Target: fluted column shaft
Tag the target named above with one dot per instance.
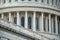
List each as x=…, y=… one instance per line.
x=56, y=24
x=34, y=21
x=10, y=18
x=2, y=15
x=26, y=20
x=18, y=19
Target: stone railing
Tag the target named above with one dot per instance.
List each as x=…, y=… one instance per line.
x=30, y=3
x=19, y=29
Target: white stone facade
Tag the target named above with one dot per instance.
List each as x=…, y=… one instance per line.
x=39, y=16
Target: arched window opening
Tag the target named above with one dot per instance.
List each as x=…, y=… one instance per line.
x=16, y=0
x=29, y=0
x=29, y=22
x=22, y=0
x=36, y=0
x=42, y=1
x=52, y=2
x=54, y=26
x=15, y=20
x=22, y=21
x=59, y=26
x=44, y=19
x=47, y=1
x=0, y=15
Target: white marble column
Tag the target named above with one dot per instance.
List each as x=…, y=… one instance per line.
x=10, y=17
x=42, y=24
x=26, y=20
x=50, y=23
x=2, y=15
x=18, y=18
x=34, y=21
x=46, y=24
x=56, y=24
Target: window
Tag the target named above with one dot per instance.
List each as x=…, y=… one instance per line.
x=52, y=2
x=22, y=21
x=42, y=1
x=36, y=0
x=22, y=0
x=54, y=25
x=29, y=0
x=16, y=0
x=48, y=24
x=44, y=19
x=59, y=26
x=9, y=0
x=0, y=15
x=29, y=22
x=4, y=1
x=15, y=20
x=47, y=1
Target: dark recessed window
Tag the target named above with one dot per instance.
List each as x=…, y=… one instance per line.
x=47, y=1
x=36, y=0
x=4, y=1
x=54, y=27
x=58, y=26
x=44, y=24
x=29, y=0
x=29, y=22
x=48, y=24
x=22, y=0
x=41, y=0
x=16, y=0
x=22, y=21
x=15, y=20
x=52, y=2
x=0, y=15
x=9, y=0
